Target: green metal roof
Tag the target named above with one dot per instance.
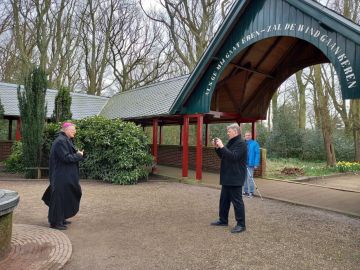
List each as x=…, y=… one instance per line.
x=144, y=102
x=82, y=105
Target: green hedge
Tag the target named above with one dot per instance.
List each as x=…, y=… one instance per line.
x=116, y=151
x=14, y=163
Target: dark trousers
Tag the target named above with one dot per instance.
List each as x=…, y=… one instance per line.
x=230, y=194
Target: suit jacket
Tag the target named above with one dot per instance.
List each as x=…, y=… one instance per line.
x=233, y=162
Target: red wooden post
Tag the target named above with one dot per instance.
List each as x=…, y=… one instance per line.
x=155, y=141
x=18, y=130
x=185, y=143
x=253, y=130
x=199, y=144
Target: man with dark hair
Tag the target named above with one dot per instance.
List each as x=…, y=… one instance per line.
x=64, y=193
x=232, y=176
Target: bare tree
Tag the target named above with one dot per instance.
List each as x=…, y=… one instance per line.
x=321, y=101
x=301, y=85
x=138, y=53
x=98, y=20
x=190, y=25
x=44, y=34
x=333, y=89
x=351, y=10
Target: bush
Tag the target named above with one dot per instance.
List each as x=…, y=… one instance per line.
x=313, y=145
x=14, y=163
x=33, y=114
x=50, y=133
x=286, y=139
x=116, y=151
x=344, y=146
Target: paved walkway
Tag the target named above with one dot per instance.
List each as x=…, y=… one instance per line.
x=162, y=225
x=340, y=194
x=36, y=247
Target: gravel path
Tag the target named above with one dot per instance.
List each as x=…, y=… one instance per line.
x=163, y=225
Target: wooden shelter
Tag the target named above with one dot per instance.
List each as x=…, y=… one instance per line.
x=259, y=45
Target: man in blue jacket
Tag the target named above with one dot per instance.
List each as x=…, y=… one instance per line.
x=253, y=161
x=233, y=157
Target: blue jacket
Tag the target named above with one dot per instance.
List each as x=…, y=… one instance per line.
x=253, y=159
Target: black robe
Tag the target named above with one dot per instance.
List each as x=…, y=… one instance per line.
x=64, y=192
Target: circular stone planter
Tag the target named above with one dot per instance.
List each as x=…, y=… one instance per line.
x=8, y=201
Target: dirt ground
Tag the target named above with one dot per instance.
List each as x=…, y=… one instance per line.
x=164, y=225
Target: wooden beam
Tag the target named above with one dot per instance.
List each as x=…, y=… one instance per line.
x=155, y=140
x=253, y=130
x=252, y=70
x=10, y=129
x=18, y=129
x=199, y=144
x=185, y=143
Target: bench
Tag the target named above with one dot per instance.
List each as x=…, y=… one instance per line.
x=38, y=170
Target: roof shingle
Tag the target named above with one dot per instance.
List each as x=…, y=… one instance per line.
x=151, y=100
x=82, y=105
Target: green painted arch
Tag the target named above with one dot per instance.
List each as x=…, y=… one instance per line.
x=214, y=73
x=275, y=18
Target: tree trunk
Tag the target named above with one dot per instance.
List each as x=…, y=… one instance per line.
x=324, y=117
x=302, y=100
x=274, y=105
x=355, y=116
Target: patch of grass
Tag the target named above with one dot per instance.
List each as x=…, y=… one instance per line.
x=310, y=168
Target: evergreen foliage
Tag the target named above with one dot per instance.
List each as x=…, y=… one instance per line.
x=14, y=163
x=33, y=113
x=62, y=106
x=115, y=151
x=286, y=138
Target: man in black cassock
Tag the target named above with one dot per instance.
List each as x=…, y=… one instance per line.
x=232, y=176
x=64, y=193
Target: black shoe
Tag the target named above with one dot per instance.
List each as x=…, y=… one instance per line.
x=61, y=227
x=238, y=229
x=218, y=223
x=66, y=222
x=245, y=194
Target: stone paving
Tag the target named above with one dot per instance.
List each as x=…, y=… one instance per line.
x=37, y=248
x=339, y=194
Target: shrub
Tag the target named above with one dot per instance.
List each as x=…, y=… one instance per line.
x=33, y=113
x=116, y=151
x=286, y=138
x=50, y=133
x=344, y=146
x=313, y=145
x=62, y=106
x=14, y=163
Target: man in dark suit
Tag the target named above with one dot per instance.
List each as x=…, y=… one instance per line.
x=232, y=177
